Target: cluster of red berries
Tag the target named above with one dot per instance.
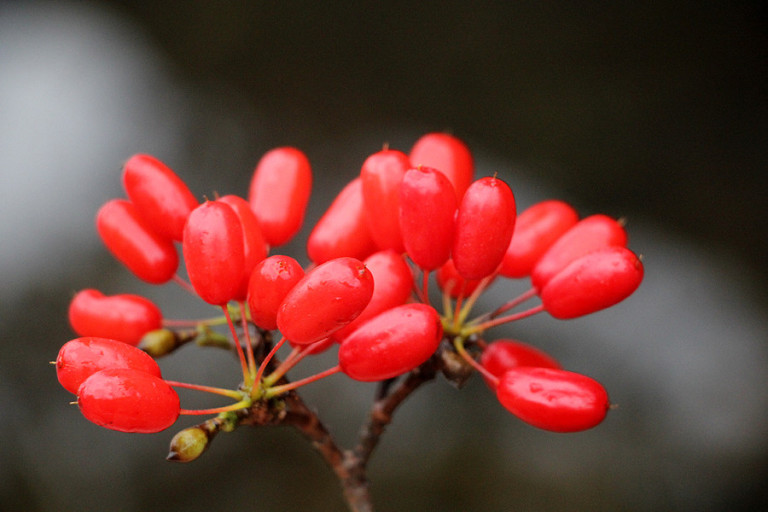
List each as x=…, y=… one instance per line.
x=365, y=290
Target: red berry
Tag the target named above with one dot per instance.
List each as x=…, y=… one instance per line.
x=392, y=343
x=254, y=246
x=447, y=154
x=552, y=399
x=162, y=199
x=536, y=229
x=451, y=282
x=123, y=317
x=270, y=282
x=214, y=253
x=381, y=175
x=279, y=193
x=503, y=355
x=588, y=234
x=128, y=400
x=427, y=216
x=392, y=285
x=78, y=359
x=593, y=282
x=325, y=300
x=151, y=257
x=342, y=230
x=484, y=226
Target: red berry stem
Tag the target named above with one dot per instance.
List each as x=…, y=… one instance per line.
x=483, y=326
x=458, y=344
x=296, y=355
x=240, y=355
x=242, y=404
x=248, y=343
x=279, y=390
x=231, y=393
x=513, y=303
x=425, y=287
x=472, y=299
x=266, y=361
x=185, y=285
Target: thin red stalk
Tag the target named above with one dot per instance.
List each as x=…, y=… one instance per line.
x=425, y=287
x=184, y=284
x=296, y=355
x=503, y=320
x=514, y=302
x=216, y=410
x=248, y=344
x=267, y=359
x=471, y=360
x=208, y=389
x=279, y=390
x=238, y=347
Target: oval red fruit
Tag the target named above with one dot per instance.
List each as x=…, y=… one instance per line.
x=381, y=176
x=79, y=358
x=122, y=317
x=128, y=400
x=427, y=216
x=342, y=230
x=503, y=355
x=270, y=282
x=279, y=193
x=214, y=252
x=329, y=297
x=162, y=199
x=536, y=229
x=555, y=400
x=593, y=282
x=254, y=246
x=588, y=234
x=151, y=257
x=392, y=343
x=392, y=286
x=484, y=226
x=447, y=154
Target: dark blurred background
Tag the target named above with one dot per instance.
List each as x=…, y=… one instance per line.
x=651, y=111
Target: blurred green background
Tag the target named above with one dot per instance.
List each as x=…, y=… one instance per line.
x=654, y=112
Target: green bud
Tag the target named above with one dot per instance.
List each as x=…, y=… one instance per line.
x=159, y=343
x=189, y=444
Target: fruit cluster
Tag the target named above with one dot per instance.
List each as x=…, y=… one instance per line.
x=366, y=290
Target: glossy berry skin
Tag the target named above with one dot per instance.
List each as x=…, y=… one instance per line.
x=123, y=317
x=590, y=233
x=279, y=193
x=447, y=154
x=151, y=257
x=328, y=297
x=593, y=282
x=214, y=252
x=270, y=282
x=427, y=216
x=484, y=226
x=79, y=358
x=551, y=399
x=392, y=343
x=342, y=230
x=128, y=400
x=381, y=176
x=503, y=355
x=451, y=282
x=162, y=199
x=254, y=246
x=392, y=286
x=536, y=229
